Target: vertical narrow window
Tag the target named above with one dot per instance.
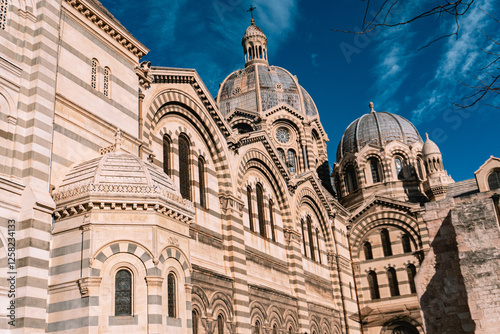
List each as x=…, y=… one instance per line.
x=351, y=180
x=292, y=157
x=260, y=210
x=93, y=79
x=220, y=324
x=171, y=295
x=281, y=153
x=275, y=329
x=373, y=285
x=271, y=220
x=317, y=245
x=393, y=282
x=167, y=144
x=374, y=168
x=290, y=330
x=201, y=180
x=302, y=223
x=411, y=271
x=310, y=235
x=3, y=13
x=123, y=293
x=184, y=170
x=399, y=162
x=257, y=327
x=195, y=322
x=406, y=243
x=107, y=82
x=367, y=248
x=250, y=211
x=386, y=242
x=494, y=180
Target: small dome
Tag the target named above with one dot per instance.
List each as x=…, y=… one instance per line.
x=253, y=30
x=276, y=86
x=378, y=129
x=430, y=147
x=118, y=173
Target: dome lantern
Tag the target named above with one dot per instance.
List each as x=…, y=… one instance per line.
x=254, y=43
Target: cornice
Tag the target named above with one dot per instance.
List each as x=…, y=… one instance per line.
x=109, y=27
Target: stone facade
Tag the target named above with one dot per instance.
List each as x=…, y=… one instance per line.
x=138, y=203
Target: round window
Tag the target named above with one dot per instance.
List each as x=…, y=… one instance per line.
x=282, y=135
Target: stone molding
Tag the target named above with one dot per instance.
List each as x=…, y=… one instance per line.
x=112, y=29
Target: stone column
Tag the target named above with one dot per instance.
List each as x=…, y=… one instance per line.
x=154, y=284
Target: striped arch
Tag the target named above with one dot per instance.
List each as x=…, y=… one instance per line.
x=177, y=102
x=324, y=327
x=365, y=224
x=177, y=254
x=257, y=312
x=309, y=197
x=115, y=247
x=290, y=119
x=200, y=300
x=220, y=302
x=274, y=315
x=290, y=320
x=314, y=324
x=258, y=160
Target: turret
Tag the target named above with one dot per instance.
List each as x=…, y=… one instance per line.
x=437, y=180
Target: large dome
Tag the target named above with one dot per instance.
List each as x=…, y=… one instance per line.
x=378, y=129
x=275, y=86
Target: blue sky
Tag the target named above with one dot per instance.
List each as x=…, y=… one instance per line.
x=342, y=72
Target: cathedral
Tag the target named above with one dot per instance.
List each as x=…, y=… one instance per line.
x=134, y=201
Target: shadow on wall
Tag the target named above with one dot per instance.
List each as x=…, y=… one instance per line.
x=445, y=304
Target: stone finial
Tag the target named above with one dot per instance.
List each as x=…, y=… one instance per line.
x=118, y=140
x=372, y=107
x=426, y=136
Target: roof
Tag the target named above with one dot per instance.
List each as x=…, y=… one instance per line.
x=276, y=86
x=462, y=188
x=378, y=129
x=97, y=4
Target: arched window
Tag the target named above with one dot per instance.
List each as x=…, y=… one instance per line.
x=290, y=330
x=107, y=82
x=275, y=329
x=411, y=271
x=260, y=211
x=310, y=235
x=171, y=296
x=167, y=144
x=93, y=78
x=393, y=282
x=399, y=163
x=257, y=327
x=406, y=243
x=317, y=245
x=202, y=185
x=373, y=285
x=123, y=292
x=302, y=223
x=220, y=324
x=250, y=210
x=292, y=161
x=4, y=4
x=367, y=248
x=195, y=322
x=405, y=328
x=375, y=169
x=386, y=242
x=281, y=153
x=184, y=170
x=351, y=180
x=271, y=220
x=494, y=180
